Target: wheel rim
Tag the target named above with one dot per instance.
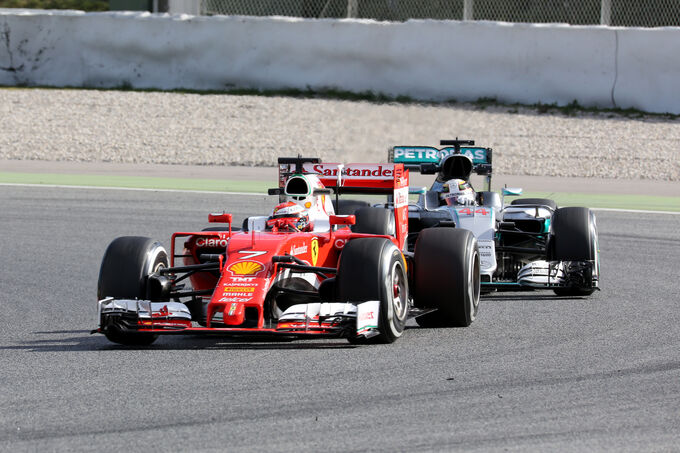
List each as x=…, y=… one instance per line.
x=474, y=284
x=398, y=291
x=154, y=263
x=595, y=247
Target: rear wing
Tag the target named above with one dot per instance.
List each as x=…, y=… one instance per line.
x=390, y=179
x=425, y=159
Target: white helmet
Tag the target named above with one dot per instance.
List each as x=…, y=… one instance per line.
x=457, y=192
x=299, y=189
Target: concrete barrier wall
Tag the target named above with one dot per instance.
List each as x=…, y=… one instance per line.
x=423, y=59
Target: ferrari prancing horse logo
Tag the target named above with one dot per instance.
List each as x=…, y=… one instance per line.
x=315, y=250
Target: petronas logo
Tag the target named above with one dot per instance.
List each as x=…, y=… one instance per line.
x=246, y=268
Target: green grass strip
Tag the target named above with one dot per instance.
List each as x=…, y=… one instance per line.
x=610, y=201
x=641, y=202
x=137, y=182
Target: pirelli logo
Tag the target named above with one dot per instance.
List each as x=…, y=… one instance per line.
x=239, y=289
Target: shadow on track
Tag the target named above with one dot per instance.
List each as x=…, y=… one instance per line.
x=82, y=340
x=513, y=296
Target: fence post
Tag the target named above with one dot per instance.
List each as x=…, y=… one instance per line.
x=606, y=12
x=352, y=8
x=468, y=9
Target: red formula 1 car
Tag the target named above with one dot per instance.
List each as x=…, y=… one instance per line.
x=301, y=272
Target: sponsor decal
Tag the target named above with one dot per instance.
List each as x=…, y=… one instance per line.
x=240, y=284
x=409, y=154
x=315, y=250
x=476, y=155
x=163, y=312
x=298, y=250
x=356, y=171
x=243, y=280
x=401, y=197
x=211, y=242
x=366, y=316
x=242, y=289
x=339, y=243
x=246, y=268
x=235, y=299
x=249, y=254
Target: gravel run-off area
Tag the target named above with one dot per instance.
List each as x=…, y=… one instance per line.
x=195, y=129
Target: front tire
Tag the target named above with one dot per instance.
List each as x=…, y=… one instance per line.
x=127, y=263
x=374, y=269
x=446, y=277
x=535, y=201
x=575, y=239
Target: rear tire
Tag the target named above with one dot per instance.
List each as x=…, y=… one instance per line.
x=536, y=201
x=348, y=207
x=446, y=277
x=374, y=269
x=489, y=199
x=575, y=239
x=127, y=263
x=374, y=221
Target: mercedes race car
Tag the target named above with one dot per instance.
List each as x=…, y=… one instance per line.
x=300, y=272
x=528, y=244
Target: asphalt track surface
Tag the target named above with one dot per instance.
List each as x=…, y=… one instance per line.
x=533, y=373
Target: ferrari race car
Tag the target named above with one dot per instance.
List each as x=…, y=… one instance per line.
x=301, y=272
x=527, y=244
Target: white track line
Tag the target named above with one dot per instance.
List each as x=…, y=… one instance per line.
x=60, y=186
x=251, y=194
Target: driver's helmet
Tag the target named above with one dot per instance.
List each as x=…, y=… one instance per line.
x=457, y=192
x=289, y=216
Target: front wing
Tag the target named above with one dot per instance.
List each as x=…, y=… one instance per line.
x=552, y=274
x=330, y=319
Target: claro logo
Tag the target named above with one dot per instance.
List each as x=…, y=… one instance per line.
x=211, y=242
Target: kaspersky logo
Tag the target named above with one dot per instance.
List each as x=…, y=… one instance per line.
x=246, y=268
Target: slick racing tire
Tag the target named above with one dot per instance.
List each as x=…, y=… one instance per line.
x=348, y=207
x=374, y=221
x=575, y=239
x=127, y=263
x=446, y=277
x=536, y=201
x=374, y=269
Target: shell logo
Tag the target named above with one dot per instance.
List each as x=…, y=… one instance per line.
x=246, y=268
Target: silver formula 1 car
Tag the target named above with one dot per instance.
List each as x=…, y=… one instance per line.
x=529, y=243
